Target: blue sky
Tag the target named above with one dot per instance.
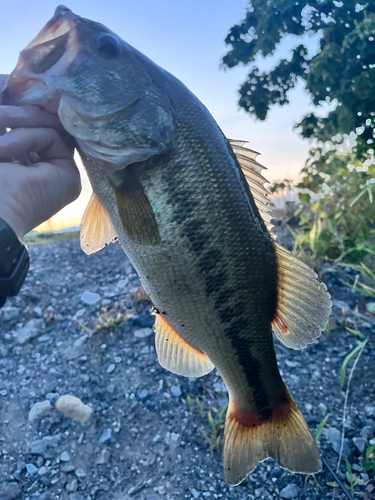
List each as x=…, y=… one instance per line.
x=187, y=39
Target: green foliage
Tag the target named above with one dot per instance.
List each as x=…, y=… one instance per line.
x=340, y=72
x=215, y=435
x=369, y=461
x=336, y=214
x=347, y=358
x=320, y=427
x=353, y=482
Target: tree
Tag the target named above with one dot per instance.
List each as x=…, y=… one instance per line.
x=341, y=73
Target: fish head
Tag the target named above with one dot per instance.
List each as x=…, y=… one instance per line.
x=102, y=89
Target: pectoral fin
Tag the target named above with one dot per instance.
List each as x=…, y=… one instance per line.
x=176, y=355
x=136, y=214
x=97, y=229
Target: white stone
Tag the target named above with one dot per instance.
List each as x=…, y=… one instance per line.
x=39, y=410
x=142, y=333
x=72, y=407
x=90, y=298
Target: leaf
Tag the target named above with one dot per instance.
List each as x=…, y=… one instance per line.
x=320, y=427
x=348, y=358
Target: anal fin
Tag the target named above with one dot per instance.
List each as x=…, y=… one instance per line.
x=177, y=355
x=97, y=229
x=284, y=437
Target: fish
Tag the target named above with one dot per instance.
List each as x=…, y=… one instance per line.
x=190, y=210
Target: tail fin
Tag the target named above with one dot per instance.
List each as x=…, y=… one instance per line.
x=284, y=436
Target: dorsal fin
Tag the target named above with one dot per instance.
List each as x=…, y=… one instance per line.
x=252, y=172
x=175, y=354
x=97, y=230
x=303, y=303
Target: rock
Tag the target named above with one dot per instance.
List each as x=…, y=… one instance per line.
x=141, y=320
x=103, y=458
x=370, y=488
x=290, y=491
x=111, y=368
x=160, y=490
x=40, y=446
x=8, y=313
x=142, y=333
x=80, y=473
x=90, y=298
x=106, y=436
x=143, y=394
x=67, y=467
x=39, y=410
x=367, y=431
x=42, y=471
x=31, y=469
x=28, y=332
x=72, y=407
x=195, y=493
x=333, y=435
x=64, y=457
x=72, y=485
x=360, y=443
x=176, y=391
x=370, y=410
x=75, y=496
x=10, y=491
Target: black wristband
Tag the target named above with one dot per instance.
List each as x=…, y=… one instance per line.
x=14, y=262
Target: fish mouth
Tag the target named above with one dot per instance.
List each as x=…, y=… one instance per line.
x=45, y=58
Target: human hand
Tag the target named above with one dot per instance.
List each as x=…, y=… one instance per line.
x=38, y=175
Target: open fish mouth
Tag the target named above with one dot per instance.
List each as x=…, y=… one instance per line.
x=46, y=57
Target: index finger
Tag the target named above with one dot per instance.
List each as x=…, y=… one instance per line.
x=28, y=116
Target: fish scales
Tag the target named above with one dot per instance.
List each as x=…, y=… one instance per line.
x=175, y=192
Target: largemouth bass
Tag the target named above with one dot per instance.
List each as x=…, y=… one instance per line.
x=190, y=211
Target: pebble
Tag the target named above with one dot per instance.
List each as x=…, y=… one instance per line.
x=103, y=458
x=72, y=407
x=360, y=443
x=40, y=446
x=67, y=467
x=80, y=473
x=65, y=457
x=195, y=493
x=42, y=471
x=370, y=410
x=39, y=410
x=90, y=298
x=176, y=391
x=290, y=491
x=75, y=496
x=106, y=436
x=31, y=469
x=160, y=490
x=9, y=312
x=370, y=488
x=72, y=485
x=143, y=394
x=111, y=368
x=9, y=491
x=28, y=332
x=143, y=333
x=333, y=435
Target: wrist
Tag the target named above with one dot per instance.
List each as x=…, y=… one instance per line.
x=13, y=220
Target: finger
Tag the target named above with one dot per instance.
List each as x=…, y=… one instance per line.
x=46, y=142
x=28, y=116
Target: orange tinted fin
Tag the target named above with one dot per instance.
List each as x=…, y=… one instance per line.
x=284, y=436
x=136, y=214
x=176, y=355
x=97, y=230
x=303, y=303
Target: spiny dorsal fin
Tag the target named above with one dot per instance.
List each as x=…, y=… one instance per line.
x=176, y=355
x=252, y=172
x=97, y=230
x=303, y=303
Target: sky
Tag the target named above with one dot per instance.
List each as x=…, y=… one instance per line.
x=187, y=39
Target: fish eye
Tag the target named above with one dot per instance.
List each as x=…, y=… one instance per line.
x=107, y=46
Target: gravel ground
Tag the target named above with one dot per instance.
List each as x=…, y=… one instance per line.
x=81, y=326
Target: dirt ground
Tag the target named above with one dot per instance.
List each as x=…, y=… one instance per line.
x=81, y=326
